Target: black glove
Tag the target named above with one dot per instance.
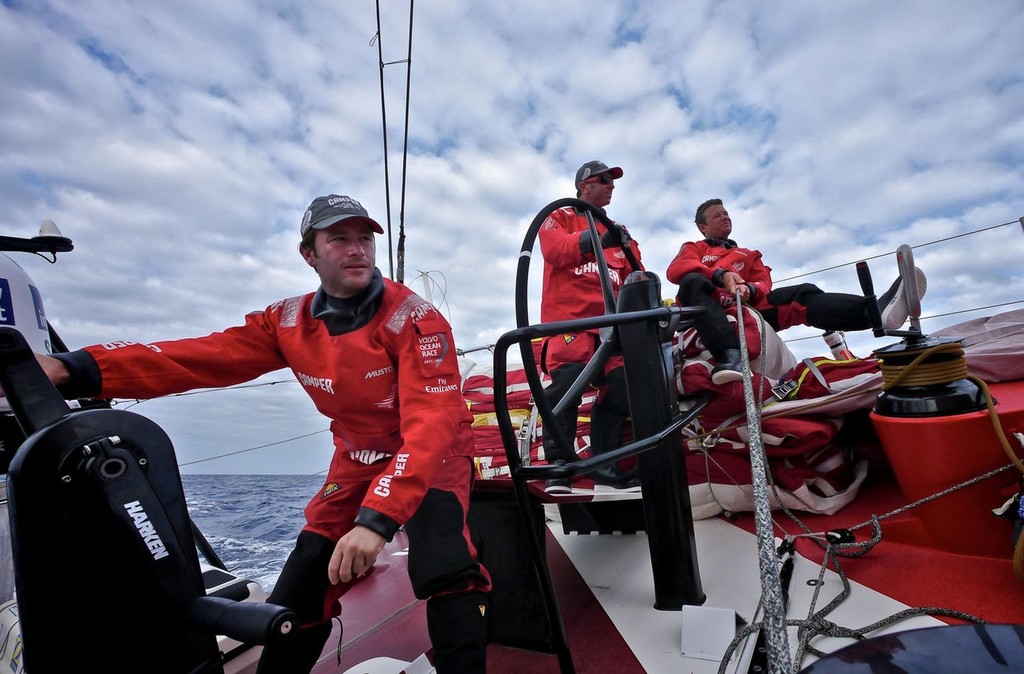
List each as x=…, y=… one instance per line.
x=615, y=236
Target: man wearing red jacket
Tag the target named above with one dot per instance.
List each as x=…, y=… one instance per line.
x=572, y=289
x=710, y=272
x=380, y=363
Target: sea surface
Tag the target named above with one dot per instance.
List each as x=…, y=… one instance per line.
x=250, y=521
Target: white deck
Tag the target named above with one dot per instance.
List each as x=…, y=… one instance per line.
x=617, y=569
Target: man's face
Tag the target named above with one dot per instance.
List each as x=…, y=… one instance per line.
x=597, y=190
x=344, y=257
x=717, y=223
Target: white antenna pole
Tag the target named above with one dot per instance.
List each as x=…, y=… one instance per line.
x=426, y=287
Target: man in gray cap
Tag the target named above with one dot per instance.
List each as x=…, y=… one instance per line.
x=572, y=289
x=380, y=362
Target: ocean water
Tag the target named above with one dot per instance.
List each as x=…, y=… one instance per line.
x=251, y=521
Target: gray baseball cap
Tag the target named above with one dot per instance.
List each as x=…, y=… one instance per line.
x=593, y=168
x=327, y=210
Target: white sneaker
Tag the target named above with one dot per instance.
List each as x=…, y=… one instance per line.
x=723, y=375
x=893, y=303
x=558, y=485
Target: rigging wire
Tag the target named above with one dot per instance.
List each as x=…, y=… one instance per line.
x=490, y=347
x=399, y=250
x=129, y=403
x=252, y=449
x=399, y=277
x=931, y=317
x=893, y=252
x=405, y=154
x=132, y=402
x=384, y=123
x=1019, y=222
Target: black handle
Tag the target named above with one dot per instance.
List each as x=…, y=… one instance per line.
x=870, y=301
x=248, y=622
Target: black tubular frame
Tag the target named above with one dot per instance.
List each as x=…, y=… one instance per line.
x=640, y=330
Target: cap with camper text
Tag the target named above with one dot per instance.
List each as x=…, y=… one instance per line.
x=333, y=208
x=593, y=168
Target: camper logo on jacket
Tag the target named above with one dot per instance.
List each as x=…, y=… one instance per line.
x=315, y=382
x=383, y=488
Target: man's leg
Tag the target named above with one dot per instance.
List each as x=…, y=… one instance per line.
x=457, y=624
x=562, y=378
x=564, y=359
x=607, y=419
x=807, y=304
x=302, y=587
x=838, y=311
x=718, y=335
x=443, y=568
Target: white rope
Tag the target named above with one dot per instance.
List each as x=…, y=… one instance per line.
x=776, y=636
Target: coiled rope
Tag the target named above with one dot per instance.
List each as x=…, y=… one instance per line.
x=928, y=367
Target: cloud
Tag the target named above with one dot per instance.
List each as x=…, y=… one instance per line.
x=178, y=145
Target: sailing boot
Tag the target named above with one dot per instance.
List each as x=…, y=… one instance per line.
x=729, y=367
x=558, y=485
x=559, y=456
x=457, y=625
x=892, y=305
x=612, y=476
x=605, y=435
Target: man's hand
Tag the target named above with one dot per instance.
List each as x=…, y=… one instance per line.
x=354, y=554
x=615, y=236
x=54, y=370
x=732, y=282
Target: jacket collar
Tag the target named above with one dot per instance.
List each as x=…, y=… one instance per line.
x=345, y=314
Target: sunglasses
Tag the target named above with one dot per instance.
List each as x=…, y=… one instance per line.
x=604, y=179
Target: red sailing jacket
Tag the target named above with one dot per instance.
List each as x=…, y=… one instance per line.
x=391, y=388
x=704, y=257
x=572, y=287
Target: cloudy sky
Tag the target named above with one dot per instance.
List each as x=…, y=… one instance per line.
x=177, y=144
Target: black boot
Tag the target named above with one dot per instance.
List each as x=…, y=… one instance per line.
x=558, y=485
x=457, y=625
x=607, y=419
x=612, y=476
x=729, y=368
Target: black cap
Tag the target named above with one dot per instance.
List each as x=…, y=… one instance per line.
x=325, y=211
x=593, y=168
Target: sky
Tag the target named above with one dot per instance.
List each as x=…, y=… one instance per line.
x=178, y=144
